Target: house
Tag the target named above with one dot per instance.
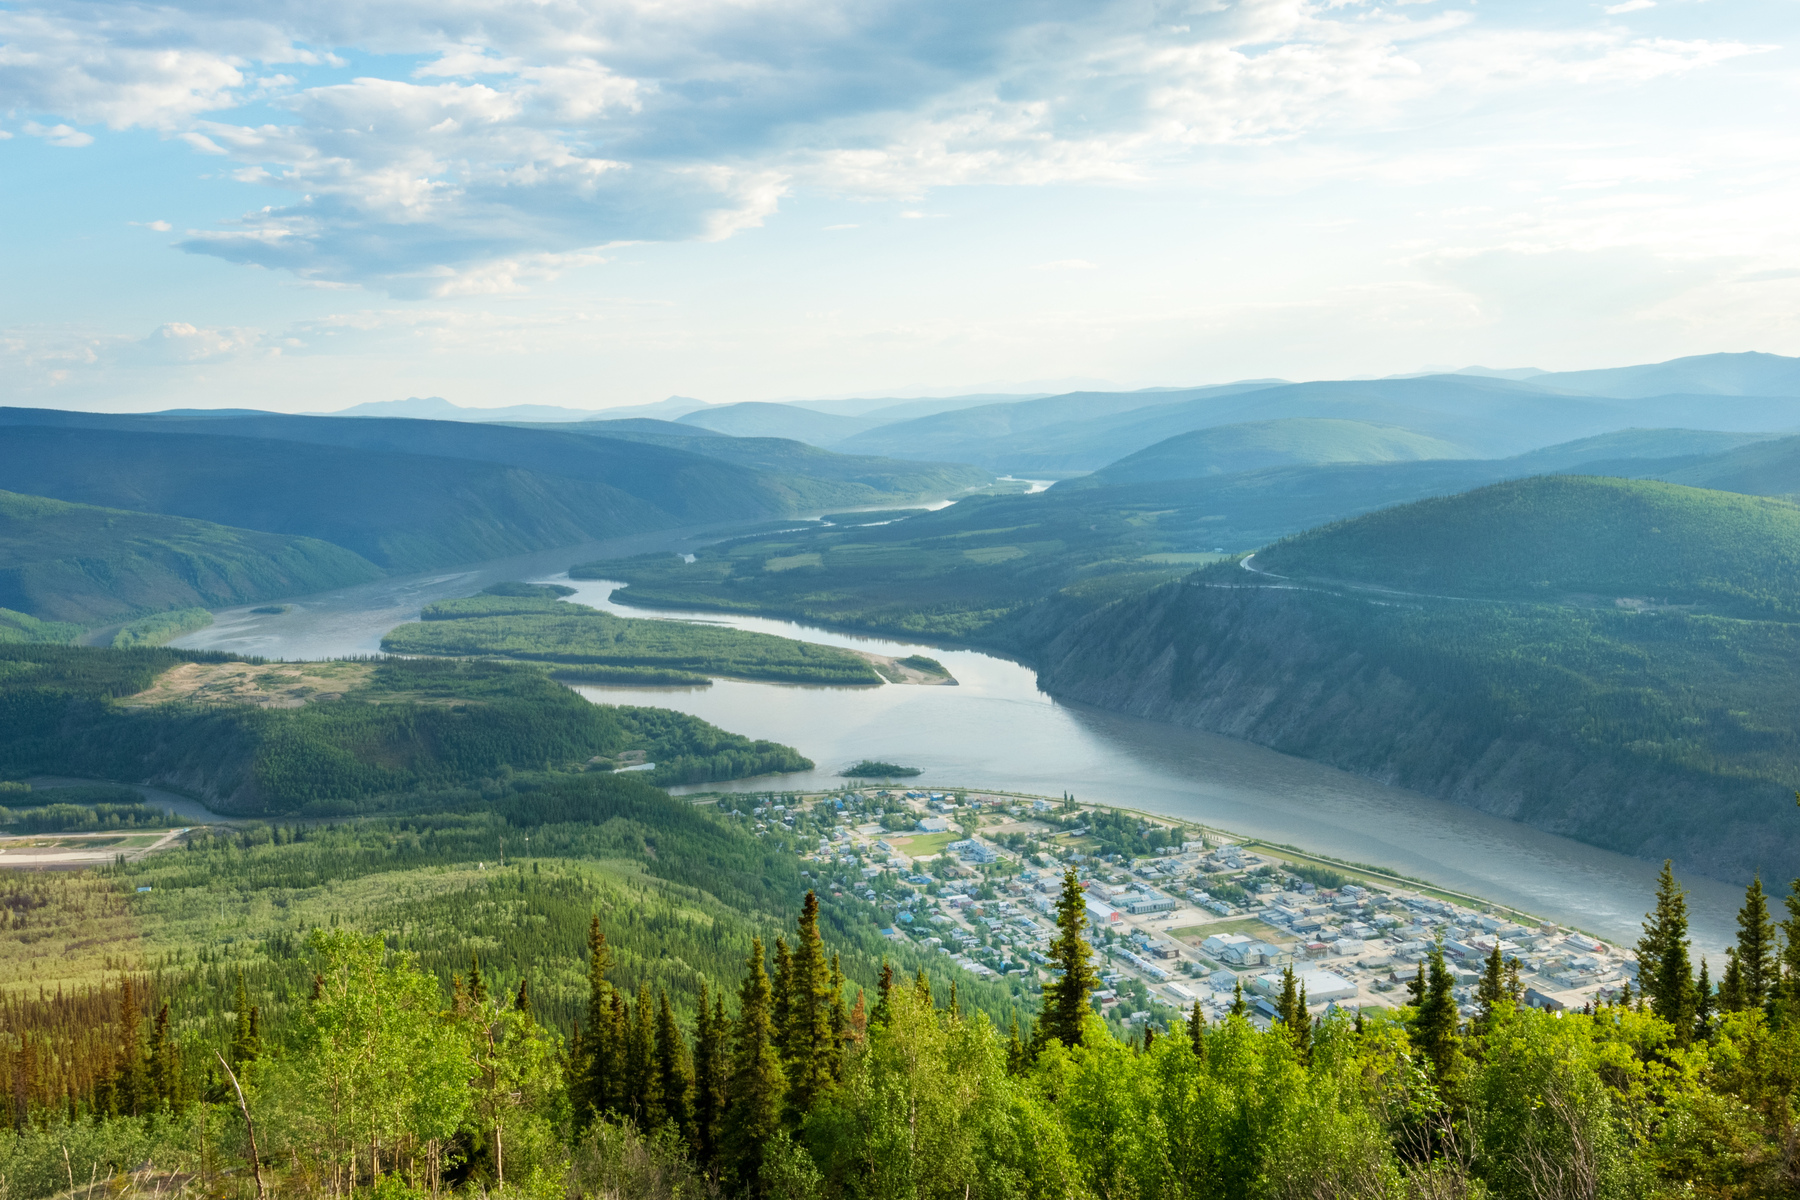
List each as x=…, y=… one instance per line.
x=1218, y=943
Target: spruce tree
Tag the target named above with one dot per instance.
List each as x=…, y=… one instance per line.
x=672, y=1075
x=1066, y=1000
x=878, y=1015
x=753, y=1112
x=1015, y=1049
x=132, y=1087
x=1238, y=1007
x=922, y=989
x=1289, y=1003
x=643, y=1090
x=244, y=1039
x=1789, y=984
x=709, y=1091
x=165, y=1063
x=1703, y=1004
x=781, y=1000
x=597, y=1051
x=522, y=1001
x=1756, y=949
x=1491, y=990
x=1197, y=1032
x=1731, y=985
x=1665, y=973
x=1434, y=1025
x=1303, y=1029
x=812, y=1051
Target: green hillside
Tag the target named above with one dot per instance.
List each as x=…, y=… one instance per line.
x=1766, y=468
x=87, y=565
x=545, y=630
x=331, y=738
x=814, y=478
x=1252, y=446
x=1474, y=648
x=1551, y=537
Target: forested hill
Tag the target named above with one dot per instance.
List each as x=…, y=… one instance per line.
x=1666, y=725
x=1551, y=537
x=85, y=565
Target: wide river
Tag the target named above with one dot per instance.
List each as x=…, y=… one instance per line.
x=996, y=730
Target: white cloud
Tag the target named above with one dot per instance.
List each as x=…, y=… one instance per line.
x=1630, y=6
x=524, y=134
x=60, y=135
x=158, y=226
x=1067, y=264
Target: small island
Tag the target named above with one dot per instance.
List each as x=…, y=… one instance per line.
x=870, y=769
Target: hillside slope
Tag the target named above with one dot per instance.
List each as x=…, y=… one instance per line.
x=1227, y=449
x=1652, y=731
x=89, y=566
x=758, y=419
x=400, y=511
x=1744, y=374
x=1550, y=537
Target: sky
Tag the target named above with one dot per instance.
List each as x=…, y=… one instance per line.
x=301, y=205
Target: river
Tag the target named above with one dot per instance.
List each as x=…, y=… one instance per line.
x=996, y=730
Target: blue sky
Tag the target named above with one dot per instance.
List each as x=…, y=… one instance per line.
x=306, y=205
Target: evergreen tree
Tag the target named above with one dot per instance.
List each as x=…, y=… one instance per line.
x=522, y=1001
x=1703, y=1004
x=711, y=1071
x=1289, y=1003
x=643, y=1095
x=672, y=1075
x=878, y=1016
x=1197, y=1032
x=1731, y=986
x=1493, y=988
x=132, y=1087
x=1664, y=973
x=1066, y=1000
x=922, y=989
x=1435, y=1024
x=1303, y=1028
x=1790, y=946
x=781, y=999
x=841, y=1022
x=597, y=1049
x=1238, y=1007
x=244, y=1038
x=1757, y=954
x=753, y=1111
x=813, y=1050
x=1415, y=987
x=478, y=989
x=165, y=1063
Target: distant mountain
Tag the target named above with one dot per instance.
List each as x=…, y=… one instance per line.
x=979, y=434
x=1547, y=650
x=403, y=512
x=1226, y=449
x=757, y=419
x=1764, y=468
x=91, y=566
x=414, y=494
x=887, y=409
x=436, y=408
x=1746, y=374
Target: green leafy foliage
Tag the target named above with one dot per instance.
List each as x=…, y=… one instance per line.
x=21, y=627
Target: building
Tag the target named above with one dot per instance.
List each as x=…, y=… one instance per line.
x=1321, y=986
x=1139, y=905
x=1100, y=912
x=934, y=825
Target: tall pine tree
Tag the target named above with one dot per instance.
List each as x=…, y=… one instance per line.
x=673, y=1079
x=753, y=1111
x=1665, y=972
x=811, y=1049
x=1066, y=1000
x=1435, y=1023
x=1757, y=953
x=597, y=1052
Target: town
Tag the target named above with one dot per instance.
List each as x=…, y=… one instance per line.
x=1178, y=915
